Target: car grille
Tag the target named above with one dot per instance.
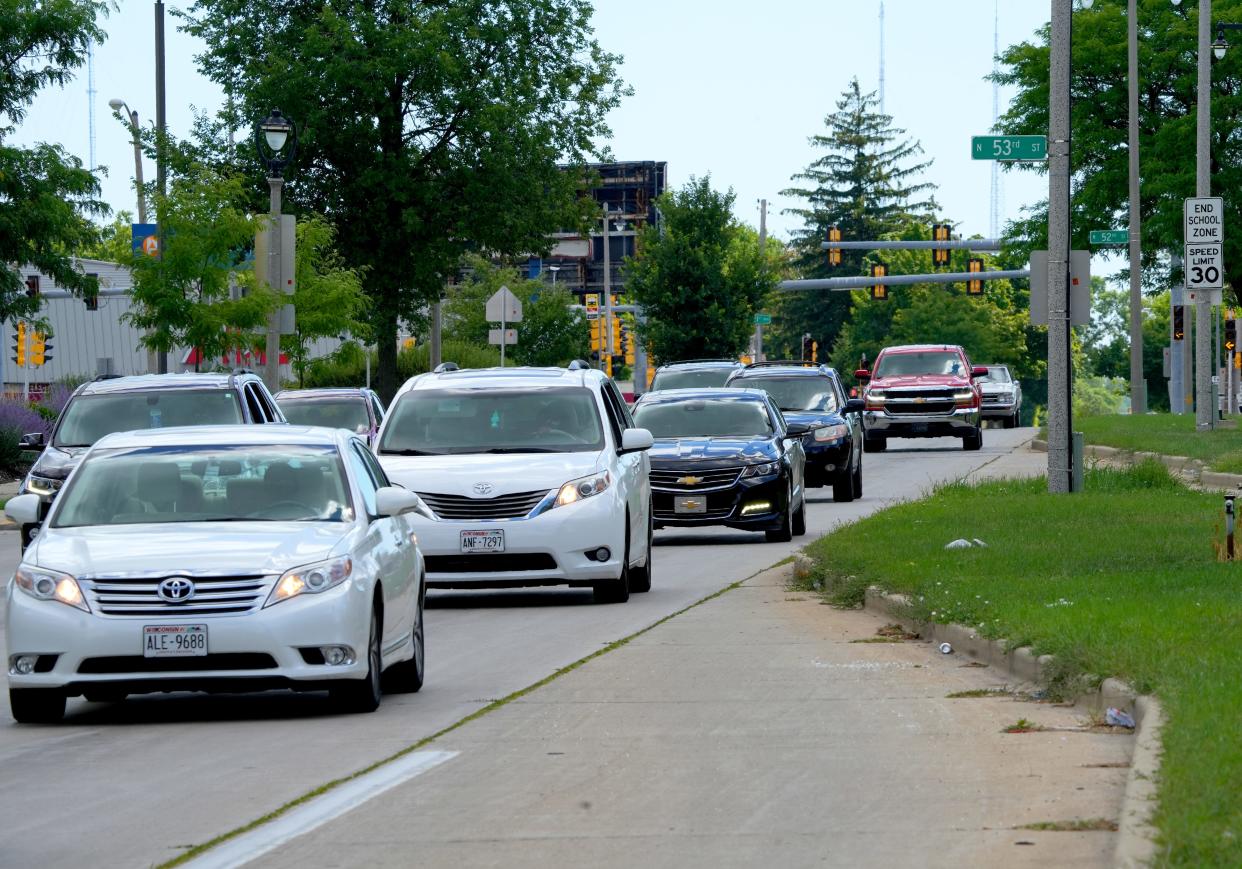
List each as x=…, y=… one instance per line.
x=115, y=664
x=500, y=562
x=704, y=481
x=673, y=516
x=997, y=400
x=515, y=506
x=920, y=401
x=137, y=596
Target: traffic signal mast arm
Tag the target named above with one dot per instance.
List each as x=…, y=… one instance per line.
x=951, y=244
x=863, y=282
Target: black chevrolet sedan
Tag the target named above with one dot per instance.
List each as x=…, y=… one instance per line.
x=725, y=457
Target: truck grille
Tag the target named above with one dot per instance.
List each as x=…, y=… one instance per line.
x=515, y=506
x=920, y=401
x=138, y=596
x=695, y=481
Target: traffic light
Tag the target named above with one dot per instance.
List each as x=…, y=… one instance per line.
x=1179, y=323
x=941, y=232
x=974, y=287
x=834, y=253
x=39, y=349
x=597, y=336
x=1231, y=334
x=616, y=336
x=879, y=292
x=630, y=340
x=19, y=344
x=808, y=347
x=814, y=351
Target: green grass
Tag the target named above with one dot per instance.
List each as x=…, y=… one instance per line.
x=1120, y=580
x=1168, y=435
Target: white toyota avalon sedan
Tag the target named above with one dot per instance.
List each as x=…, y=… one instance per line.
x=530, y=476
x=220, y=558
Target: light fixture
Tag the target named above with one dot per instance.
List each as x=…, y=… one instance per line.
x=276, y=140
x=1220, y=45
x=1086, y=4
x=276, y=131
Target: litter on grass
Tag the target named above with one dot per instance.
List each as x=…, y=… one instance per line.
x=946, y=649
x=963, y=543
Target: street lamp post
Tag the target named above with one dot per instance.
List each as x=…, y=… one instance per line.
x=554, y=270
x=135, y=131
x=276, y=142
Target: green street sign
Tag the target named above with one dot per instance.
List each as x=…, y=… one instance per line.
x=1008, y=147
x=763, y=319
x=1110, y=236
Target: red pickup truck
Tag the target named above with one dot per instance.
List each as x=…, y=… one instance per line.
x=921, y=391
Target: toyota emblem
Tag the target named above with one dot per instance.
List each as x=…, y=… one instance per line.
x=175, y=589
x=482, y=488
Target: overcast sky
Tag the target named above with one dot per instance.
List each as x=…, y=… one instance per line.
x=724, y=87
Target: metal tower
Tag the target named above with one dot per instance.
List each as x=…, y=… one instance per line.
x=997, y=191
x=90, y=99
x=881, y=56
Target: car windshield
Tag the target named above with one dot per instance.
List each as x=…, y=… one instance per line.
x=997, y=374
x=160, y=485
x=692, y=378
x=697, y=417
x=87, y=418
x=347, y=412
x=937, y=362
x=495, y=420
x=794, y=393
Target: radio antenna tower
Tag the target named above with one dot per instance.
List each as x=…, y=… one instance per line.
x=997, y=191
x=881, y=56
x=90, y=99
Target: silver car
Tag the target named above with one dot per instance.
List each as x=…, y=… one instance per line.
x=1002, y=396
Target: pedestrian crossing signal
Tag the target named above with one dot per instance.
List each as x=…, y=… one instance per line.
x=1179, y=321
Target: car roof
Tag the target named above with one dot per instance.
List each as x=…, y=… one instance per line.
x=324, y=392
x=914, y=348
x=707, y=394
x=231, y=435
x=701, y=363
x=148, y=382
x=503, y=378
x=783, y=371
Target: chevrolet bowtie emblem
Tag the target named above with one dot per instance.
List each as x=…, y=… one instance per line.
x=689, y=481
x=920, y=400
x=691, y=505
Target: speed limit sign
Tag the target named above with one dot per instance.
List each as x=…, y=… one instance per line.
x=1205, y=265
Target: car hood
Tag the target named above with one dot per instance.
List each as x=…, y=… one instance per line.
x=813, y=417
x=55, y=463
x=920, y=380
x=704, y=452
x=207, y=547
x=506, y=474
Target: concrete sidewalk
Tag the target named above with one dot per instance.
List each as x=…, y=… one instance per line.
x=753, y=729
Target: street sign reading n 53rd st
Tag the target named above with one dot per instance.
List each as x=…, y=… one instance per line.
x=1110, y=236
x=1008, y=147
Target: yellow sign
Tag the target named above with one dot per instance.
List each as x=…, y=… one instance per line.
x=591, y=301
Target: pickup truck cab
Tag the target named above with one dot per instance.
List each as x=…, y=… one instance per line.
x=921, y=391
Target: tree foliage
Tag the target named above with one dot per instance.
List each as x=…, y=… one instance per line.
x=426, y=129
x=699, y=276
x=865, y=182
x=46, y=196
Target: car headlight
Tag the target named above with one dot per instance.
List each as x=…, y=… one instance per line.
x=830, y=432
x=583, y=487
x=766, y=469
x=50, y=585
x=311, y=579
x=43, y=485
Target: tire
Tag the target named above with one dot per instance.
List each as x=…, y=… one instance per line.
x=407, y=676
x=362, y=695
x=799, y=520
x=640, y=577
x=874, y=444
x=1016, y=422
x=974, y=440
x=858, y=479
x=785, y=533
x=843, y=486
x=616, y=590
x=36, y=705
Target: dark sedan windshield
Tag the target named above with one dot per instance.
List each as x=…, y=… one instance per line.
x=347, y=412
x=90, y=417
x=794, y=393
x=697, y=417
x=692, y=378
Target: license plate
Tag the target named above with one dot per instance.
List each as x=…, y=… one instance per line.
x=919, y=426
x=689, y=505
x=174, y=641
x=483, y=541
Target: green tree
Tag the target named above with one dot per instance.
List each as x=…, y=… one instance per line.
x=865, y=182
x=112, y=242
x=699, y=276
x=46, y=196
x=201, y=293
x=426, y=129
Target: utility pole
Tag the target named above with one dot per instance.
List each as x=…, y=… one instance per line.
x=1138, y=382
x=161, y=135
x=271, y=362
x=605, y=358
x=1060, y=453
x=1205, y=410
x=763, y=247
x=433, y=349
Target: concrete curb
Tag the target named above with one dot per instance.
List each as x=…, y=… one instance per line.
x=1190, y=470
x=1136, y=837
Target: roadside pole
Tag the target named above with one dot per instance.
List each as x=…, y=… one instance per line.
x=1205, y=412
x=1138, y=381
x=763, y=246
x=1060, y=462
x=606, y=357
x=271, y=362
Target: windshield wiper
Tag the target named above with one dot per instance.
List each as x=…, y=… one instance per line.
x=502, y=450
x=408, y=453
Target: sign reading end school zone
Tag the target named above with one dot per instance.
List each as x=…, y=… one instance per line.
x=1205, y=242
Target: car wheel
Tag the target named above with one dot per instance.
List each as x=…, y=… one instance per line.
x=874, y=444
x=36, y=705
x=1016, y=421
x=407, y=676
x=843, y=485
x=362, y=695
x=640, y=577
x=858, y=479
x=799, y=520
x=616, y=590
x=974, y=440
x=785, y=533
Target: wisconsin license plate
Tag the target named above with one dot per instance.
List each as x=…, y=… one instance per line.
x=174, y=641
x=483, y=541
x=690, y=505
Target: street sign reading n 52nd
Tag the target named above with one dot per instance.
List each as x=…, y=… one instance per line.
x=1009, y=147
x=1110, y=236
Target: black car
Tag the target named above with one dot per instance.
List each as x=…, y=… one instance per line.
x=812, y=395
x=724, y=457
x=356, y=409
x=694, y=374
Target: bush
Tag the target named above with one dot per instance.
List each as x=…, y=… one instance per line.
x=16, y=419
x=347, y=366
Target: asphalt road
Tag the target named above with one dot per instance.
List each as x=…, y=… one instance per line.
x=136, y=783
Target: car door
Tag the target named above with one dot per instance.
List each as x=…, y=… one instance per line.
x=852, y=420
x=632, y=468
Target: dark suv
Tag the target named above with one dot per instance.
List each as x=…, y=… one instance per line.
x=355, y=409
x=813, y=397
x=111, y=404
x=694, y=374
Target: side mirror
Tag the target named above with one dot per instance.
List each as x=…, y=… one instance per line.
x=862, y=375
x=854, y=405
x=635, y=440
x=978, y=371
x=797, y=429
x=391, y=501
x=23, y=509
x=32, y=441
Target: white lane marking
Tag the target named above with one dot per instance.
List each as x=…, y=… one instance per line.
x=250, y=846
